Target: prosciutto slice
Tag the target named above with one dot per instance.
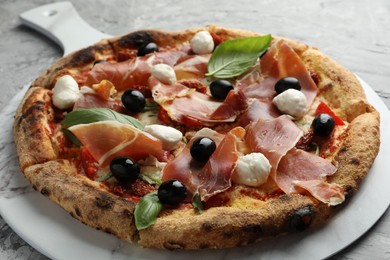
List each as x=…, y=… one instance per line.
x=134, y=72
x=106, y=140
x=214, y=176
x=293, y=170
x=190, y=107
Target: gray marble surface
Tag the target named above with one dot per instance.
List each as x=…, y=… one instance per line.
x=355, y=33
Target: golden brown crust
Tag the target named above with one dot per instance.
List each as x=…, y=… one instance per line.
x=83, y=199
x=58, y=179
x=31, y=128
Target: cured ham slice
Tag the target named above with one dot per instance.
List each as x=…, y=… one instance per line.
x=194, y=66
x=185, y=105
x=300, y=170
x=134, y=72
x=273, y=138
x=293, y=170
x=280, y=61
x=92, y=100
x=183, y=168
x=214, y=176
x=106, y=140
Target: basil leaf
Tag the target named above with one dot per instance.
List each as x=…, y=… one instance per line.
x=104, y=177
x=232, y=58
x=91, y=115
x=197, y=203
x=147, y=210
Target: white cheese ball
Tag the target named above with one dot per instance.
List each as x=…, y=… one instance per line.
x=169, y=136
x=164, y=73
x=291, y=102
x=252, y=170
x=65, y=92
x=202, y=43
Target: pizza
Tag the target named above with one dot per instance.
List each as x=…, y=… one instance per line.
x=202, y=138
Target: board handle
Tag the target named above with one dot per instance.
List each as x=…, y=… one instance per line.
x=61, y=23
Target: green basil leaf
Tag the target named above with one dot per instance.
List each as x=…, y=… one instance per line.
x=147, y=210
x=104, y=177
x=197, y=203
x=91, y=115
x=234, y=57
x=71, y=137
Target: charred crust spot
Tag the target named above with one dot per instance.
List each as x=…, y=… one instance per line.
x=252, y=228
x=228, y=234
x=172, y=245
x=77, y=211
x=355, y=161
x=343, y=149
x=45, y=191
x=127, y=213
x=83, y=56
x=109, y=231
x=207, y=226
x=301, y=219
x=204, y=246
x=285, y=198
x=38, y=106
x=104, y=202
x=135, y=39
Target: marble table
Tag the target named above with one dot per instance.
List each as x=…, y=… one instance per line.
x=355, y=33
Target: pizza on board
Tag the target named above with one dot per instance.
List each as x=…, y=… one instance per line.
x=204, y=138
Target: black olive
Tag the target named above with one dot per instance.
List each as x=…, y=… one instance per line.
x=133, y=100
x=147, y=48
x=172, y=192
x=99, y=61
x=220, y=88
x=323, y=125
x=286, y=83
x=202, y=148
x=124, y=169
x=301, y=219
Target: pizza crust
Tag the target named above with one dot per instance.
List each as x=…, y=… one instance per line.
x=59, y=181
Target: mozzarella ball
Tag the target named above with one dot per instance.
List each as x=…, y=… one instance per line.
x=169, y=136
x=65, y=92
x=164, y=73
x=291, y=102
x=202, y=43
x=252, y=170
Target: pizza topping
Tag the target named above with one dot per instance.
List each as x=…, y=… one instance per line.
x=192, y=66
x=202, y=148
x=286, y=83
x=106, y=140
x=172, y=192
x=147, y=48
x=323, y=125
x=324, y=109
x=291, y=102
x=202, y=43
x=104, y=89
x=133, y=100
x=233, y=57
x=124, y=169
x=169, y=136
x=252, y=170
x=65, y=92
x=220, y=88
x=147, y=210
x=164, y=73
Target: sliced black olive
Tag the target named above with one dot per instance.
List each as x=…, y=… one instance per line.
x=323, y=125
x=147, y=48
x=301, y=219
x=220, y=88
x=172, y=192
x=124, y=169
x=133, y=100
x=286, y=83
x=99, y=61
x=202, y=148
